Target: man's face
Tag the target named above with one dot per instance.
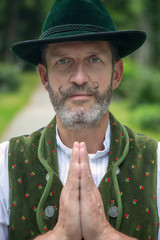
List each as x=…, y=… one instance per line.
x=79, y=76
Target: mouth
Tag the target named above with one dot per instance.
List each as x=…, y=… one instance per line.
x=80, y=96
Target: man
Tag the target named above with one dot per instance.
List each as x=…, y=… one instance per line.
x=84, y=175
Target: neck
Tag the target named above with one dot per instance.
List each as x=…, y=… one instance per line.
x=93, y=137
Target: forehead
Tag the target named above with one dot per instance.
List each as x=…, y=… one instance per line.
x=100, y=47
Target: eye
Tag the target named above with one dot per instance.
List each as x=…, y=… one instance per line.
x=95, y=60
x=63, y=61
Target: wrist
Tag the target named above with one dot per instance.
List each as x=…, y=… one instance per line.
x=58, y=234
x=111, y=234
x=51, y=235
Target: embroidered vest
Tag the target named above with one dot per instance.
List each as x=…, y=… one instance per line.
x=35, y=183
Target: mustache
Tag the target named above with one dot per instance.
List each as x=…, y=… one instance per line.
x=84, y=88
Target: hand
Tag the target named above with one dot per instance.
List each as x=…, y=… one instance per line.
x=81, y=211
x=93, y=219
x=68, y=225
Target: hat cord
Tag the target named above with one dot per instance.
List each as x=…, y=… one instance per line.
x=73, y=27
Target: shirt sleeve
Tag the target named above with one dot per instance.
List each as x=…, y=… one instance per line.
x=4, y=191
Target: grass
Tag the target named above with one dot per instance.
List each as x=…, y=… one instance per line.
x=12, y=103
x=124, y=113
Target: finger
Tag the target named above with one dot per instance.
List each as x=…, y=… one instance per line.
x=69, y=212
x=74, y=161
x=84, y=154
x=84, y=160
x=69, y=224
x=73, y=178
x=75, y=153
x=86, y=179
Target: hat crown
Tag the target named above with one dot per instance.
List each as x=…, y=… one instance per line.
x=77, y=15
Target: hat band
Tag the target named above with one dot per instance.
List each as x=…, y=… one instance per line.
x=73, y=27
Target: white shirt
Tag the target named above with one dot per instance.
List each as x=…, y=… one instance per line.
x=98, y=165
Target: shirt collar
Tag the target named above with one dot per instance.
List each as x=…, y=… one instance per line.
x=98, y=154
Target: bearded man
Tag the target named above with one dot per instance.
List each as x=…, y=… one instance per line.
x=85, y=175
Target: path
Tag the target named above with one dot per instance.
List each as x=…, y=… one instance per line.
x=34, y=116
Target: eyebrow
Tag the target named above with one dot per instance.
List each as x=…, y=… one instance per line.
x=57, y=54
x=60, y=53
x=96, y=53
x=64, y=54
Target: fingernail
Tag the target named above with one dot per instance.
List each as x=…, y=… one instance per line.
x=82, y=144
x=75, y=144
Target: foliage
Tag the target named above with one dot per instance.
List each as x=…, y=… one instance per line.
x=9, y=78
x=146, y=116
x=140, y=88
x=32, y=15
x=142, y=119
x=20, y=20
x=125, y=14
x=140, y=84
x=151, y=11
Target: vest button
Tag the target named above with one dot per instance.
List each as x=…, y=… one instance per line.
x=49, y=211
x=118, y=171
x=47, y=177
x=113, y=212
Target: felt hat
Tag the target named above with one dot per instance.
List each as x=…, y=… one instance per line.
x=78, y=20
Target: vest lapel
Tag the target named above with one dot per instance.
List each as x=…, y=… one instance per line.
x=47, y=153
x=109, y=187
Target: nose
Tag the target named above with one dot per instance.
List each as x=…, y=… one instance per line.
x=79, y=74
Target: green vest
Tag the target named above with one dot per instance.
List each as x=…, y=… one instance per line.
x=35, y=183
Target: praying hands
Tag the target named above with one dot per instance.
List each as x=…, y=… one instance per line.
x=81, y=213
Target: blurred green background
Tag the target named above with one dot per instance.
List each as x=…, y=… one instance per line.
x=136, y=102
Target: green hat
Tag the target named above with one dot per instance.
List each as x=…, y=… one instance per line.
x=78, y=20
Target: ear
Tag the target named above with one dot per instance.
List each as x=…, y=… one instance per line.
x=43, y=75
x=117, y=74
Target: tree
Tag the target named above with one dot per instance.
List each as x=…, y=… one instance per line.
x=141, y=15
x=151, y=12
x=20, y=20
x=9, y=27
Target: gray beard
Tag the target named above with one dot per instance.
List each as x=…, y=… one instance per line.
x=81, y=117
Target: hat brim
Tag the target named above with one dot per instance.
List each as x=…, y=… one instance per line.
x=126, y=42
